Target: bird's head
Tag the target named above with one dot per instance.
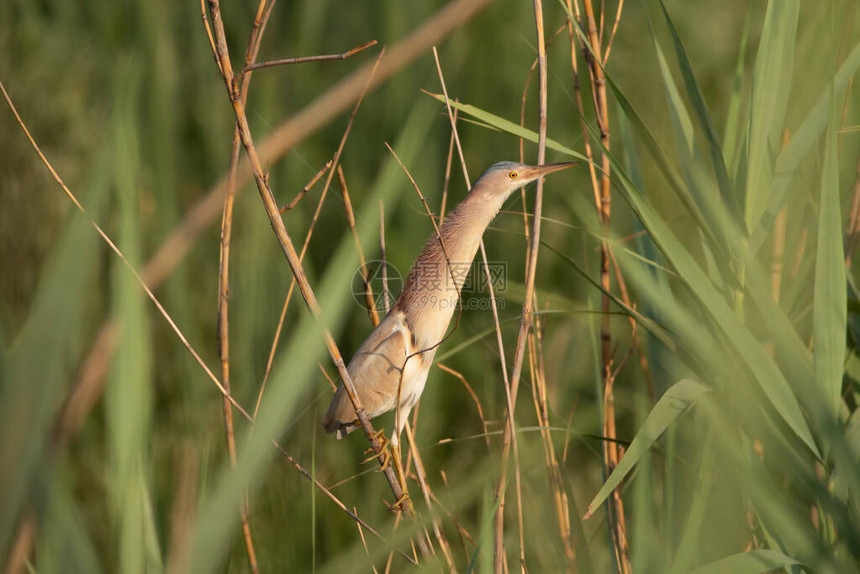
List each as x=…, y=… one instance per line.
x=505, y=177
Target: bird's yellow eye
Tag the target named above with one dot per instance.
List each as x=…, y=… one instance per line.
x=513, y=175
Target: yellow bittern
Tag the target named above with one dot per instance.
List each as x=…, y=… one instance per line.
x=395, y=359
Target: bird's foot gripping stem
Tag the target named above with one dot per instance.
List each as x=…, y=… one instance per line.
x=384, y=453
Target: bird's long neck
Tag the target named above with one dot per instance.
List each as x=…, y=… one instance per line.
x=437, y=277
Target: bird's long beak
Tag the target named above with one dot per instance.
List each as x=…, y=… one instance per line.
x=533, y=172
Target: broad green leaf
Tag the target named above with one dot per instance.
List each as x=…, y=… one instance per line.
x=752, y=562
x=671, y=405
x=685, y=139
x=40, y=361
x=830, y=300
x=703, y=116
x=771, y=381
x=801, y=143
x=128, y=395
x=508, y=126
x=770, y=91
x=733, y=134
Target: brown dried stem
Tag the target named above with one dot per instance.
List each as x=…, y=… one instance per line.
x=425, y=490
x=526, y=315
x=306, y=188
x=302, y=60
x=386, y=296
x=350, y=220
x=591, y=50
x=264, y=10
x=474, y=398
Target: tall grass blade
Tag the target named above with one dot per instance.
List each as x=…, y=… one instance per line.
x=128, y=394
x=830, y=299
x=771, y=86
x=674, y=402
x=801, y=143
x=704, y=117
x=752, y=562
x=39, y=363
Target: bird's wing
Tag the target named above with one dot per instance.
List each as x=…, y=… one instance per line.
x=375, y=371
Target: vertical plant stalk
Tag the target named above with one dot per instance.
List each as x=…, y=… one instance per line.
x=264, y=10
x=386, y=296
x=283, y=237
x=496, y=323
x=421, y=475
x=539, y=387
x=508, y=435
x=350, y=220
x=592, y=55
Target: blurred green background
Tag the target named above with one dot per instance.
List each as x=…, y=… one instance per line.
x=126, y=102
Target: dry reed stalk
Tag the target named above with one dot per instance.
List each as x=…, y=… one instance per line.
x=121, y=255
x=264, y=11
x=350, y=219
x=553, y=471
x=386, y=296
x=364, y=543
x=448, y=163
x=483, y=251
x=295, y=201
x=22, y=546
x=292, y=257
x=554, y=474
x=508, y=437
x=462, y=533
x=474, y=396
x=425, y=490
x=591, y=49
x=322, y=488
x=90, y=381
x=320, y=58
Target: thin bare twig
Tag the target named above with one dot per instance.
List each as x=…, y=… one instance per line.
x=474, y=396
x=264, y=11
x=592, y=54
x=302, y=60
x=526, y=315
x=369, y=299
x=386, y=296
x=425, y=490
x=306, y=188
x=448, y=170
